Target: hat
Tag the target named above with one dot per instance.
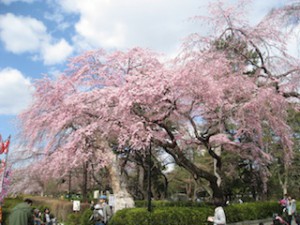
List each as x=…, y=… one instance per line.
x=36, y=210
x=103, y=197
x=97, y=206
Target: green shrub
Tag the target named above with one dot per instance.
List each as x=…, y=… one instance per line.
x=81, y=218
x=251, y=211
x=165, y=203
x=73, y=219
x=162, y=216
x=193, y=215
x=135, y=216
x=85, y=218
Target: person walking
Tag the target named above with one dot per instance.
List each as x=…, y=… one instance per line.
x=22, y=214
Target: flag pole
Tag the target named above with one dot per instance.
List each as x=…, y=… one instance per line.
x=5, y=151
x=4, y=147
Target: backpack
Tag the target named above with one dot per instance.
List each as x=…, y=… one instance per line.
x=97, y=215
x=107, y=210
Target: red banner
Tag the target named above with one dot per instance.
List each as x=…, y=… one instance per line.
x=4, y=145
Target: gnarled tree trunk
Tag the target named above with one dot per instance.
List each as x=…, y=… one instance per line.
x=122, y=197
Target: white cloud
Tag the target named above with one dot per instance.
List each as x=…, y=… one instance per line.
x=155, y=24
x=7, y=2
x=15, y=91
x=58, y=18
x=56, y=53
x=22, y=34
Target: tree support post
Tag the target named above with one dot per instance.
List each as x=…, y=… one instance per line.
x=149, y=179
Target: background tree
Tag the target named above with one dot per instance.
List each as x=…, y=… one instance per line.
x=67, y=121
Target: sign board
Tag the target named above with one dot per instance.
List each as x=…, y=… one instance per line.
x=76, y=205
x=96, y=194
x=111, y=200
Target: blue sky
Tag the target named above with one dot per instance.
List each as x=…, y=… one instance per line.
x=38, y=36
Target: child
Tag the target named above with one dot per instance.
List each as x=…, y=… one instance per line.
x=47, y=219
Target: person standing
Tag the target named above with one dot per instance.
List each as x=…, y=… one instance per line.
x=290, y=209
x=283, y=202
x=101, y=209
x=219, y=217
x=47, y=218
x=37, y=217
x=107, y=213
x=97, y=216
x=21, y=214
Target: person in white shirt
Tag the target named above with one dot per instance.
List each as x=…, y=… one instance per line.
x=219, y=217
x=47, y=219
x=291, y=209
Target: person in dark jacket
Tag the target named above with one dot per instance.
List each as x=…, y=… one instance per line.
x=21, y=214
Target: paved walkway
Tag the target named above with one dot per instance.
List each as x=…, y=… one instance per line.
x=268, y=221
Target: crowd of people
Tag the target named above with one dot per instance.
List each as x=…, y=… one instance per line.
x=289, y=210
x=23, y=214
x=44, y=218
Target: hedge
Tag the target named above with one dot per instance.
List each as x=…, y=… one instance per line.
x=165, y=203
x=161, y=216
x=82, y=218
x=251, y=211
x=193, y=215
